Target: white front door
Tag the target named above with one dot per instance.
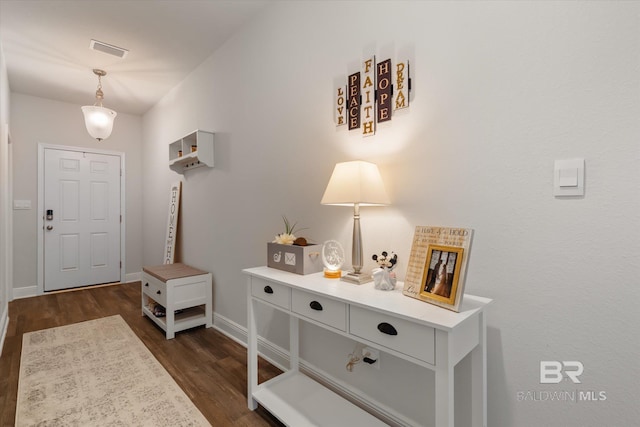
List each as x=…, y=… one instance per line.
x=81, y=218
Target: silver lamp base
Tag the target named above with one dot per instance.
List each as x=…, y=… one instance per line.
x=356, y=278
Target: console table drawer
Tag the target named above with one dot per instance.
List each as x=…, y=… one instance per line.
x=155, y=289
x=324, y=310
x=272, y=292
x=394, y=333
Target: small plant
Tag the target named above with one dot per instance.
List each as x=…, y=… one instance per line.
x=288, y=237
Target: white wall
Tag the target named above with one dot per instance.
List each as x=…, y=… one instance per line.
x=501, y=90
x=37, y=120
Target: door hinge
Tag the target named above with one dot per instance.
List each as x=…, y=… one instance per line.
x=120, y=264
x=121, y=219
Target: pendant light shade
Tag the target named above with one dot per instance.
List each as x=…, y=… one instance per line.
x=97, y=119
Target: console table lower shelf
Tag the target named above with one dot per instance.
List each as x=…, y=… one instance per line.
x=295, y=399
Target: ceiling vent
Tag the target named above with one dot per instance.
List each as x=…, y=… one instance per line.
x=108, y=48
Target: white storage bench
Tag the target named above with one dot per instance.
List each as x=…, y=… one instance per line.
x=177, y=287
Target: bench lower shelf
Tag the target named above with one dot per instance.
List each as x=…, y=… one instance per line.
x=189, y=318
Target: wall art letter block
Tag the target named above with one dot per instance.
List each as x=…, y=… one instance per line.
x=353, y=101
x=340, y=107
x=368, y=97
x=401, y=97
x=384, y=90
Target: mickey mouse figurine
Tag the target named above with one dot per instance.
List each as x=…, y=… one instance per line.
x=383, y=276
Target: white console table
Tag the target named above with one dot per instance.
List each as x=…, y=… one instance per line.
x=429, y=336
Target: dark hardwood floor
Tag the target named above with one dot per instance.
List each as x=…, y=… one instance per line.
x=208, y=366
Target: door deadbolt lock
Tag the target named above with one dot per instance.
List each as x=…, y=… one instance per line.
x=49, y=214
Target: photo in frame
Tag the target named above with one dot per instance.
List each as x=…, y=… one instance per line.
x=437, y=265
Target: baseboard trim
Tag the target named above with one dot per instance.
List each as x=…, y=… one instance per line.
x=355, y=396
x=274, y=354
x=25, y=292
x=32, y=291
x=279, y=357
x=4, y=325
x=133, y=277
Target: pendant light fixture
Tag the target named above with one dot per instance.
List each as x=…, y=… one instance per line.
x=97, y=119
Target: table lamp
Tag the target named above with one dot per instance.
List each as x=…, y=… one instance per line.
x=356, y=184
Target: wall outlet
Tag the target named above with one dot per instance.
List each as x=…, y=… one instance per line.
x=371, y=357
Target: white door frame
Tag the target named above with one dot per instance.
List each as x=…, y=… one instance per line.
x=40, y=213
x=6, y=222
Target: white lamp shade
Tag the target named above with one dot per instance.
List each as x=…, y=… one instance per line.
x=99, y=121
x=355, y=182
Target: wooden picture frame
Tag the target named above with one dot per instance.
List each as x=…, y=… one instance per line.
x=437, y=265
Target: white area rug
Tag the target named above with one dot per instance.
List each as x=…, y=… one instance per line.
x=97, y=373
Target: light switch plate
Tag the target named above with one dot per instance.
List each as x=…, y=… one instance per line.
x=21, y=204
x=568, y=178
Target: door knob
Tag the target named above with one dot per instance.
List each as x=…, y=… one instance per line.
x=49, y=227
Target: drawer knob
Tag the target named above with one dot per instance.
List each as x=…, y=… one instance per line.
x=315, y=305
x=268, y=289
x=158, y=292
x=146, y=284
x=387, y=328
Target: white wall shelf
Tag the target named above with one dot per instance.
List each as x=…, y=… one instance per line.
x=428, y=336
x=192, y=151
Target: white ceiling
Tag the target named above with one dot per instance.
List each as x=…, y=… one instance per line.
x=46, y=45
